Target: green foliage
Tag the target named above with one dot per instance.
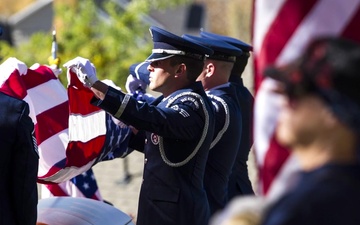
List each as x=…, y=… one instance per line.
x=5, y=51
x=112, y=38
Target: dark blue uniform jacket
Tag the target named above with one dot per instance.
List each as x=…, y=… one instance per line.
x=329, y=195
x=18, y=163
x=179, y=130
x=239, y=182
x=225, y=144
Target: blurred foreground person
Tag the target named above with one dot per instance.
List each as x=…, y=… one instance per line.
x=320, y=122
x=175, y=130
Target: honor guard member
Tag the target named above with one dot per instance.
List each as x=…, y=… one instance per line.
x=179, y=127
x=239, y=182
x=320, y=123
x=226, y=141
x=19, y=163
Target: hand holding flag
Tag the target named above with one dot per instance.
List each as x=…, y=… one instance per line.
x=84, y=69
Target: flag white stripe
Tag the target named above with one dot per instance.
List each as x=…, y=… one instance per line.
x=327, y=17
x=10, y=65
x=32, y=113
x=265, y=123
x=47, y=95
x=69, y=172
x=51, y=150
x=94, y=124
x=266, y=12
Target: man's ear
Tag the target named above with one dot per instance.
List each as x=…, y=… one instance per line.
x=180, y=70
x=210, y=70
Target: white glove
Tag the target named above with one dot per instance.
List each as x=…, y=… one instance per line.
x=84, y=70
x=133, y=84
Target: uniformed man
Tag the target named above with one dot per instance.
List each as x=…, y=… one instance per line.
x=179, y=129
x=239, y=182
x=19, y=163
x=228, y=122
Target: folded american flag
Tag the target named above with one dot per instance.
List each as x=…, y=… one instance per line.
x=71, y=139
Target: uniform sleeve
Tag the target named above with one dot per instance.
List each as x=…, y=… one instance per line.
x=137, y=141
x=25, y=168
x=183, y=119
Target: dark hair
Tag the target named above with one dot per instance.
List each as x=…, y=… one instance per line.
x=194, y=67
x=240, y=64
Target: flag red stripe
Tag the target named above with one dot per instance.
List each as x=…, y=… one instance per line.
x=79, y=93
x=258, y=76
x=351, y=31
x=79, y=153
x=77, y=97
x=51, y=122
x=274, y=159
x=95, y=197
x=14, y=86
x=280, y=32
x=38, y=76
x=56, y=190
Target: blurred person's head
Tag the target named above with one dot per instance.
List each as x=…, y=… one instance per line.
x=322, y=92
x=242, y=210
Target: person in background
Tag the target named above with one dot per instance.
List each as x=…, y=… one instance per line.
x=239, y=182
x=19, y=161
x=138, y=81
x=226, y=141
x=320, y=123
x=174, y=131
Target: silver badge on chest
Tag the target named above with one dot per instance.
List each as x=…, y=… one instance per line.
x=154, y=139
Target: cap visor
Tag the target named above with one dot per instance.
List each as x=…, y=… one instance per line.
x=275, y=73
x=157, y=56
x=286, y=74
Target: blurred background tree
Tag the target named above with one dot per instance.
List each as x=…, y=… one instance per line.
x=8, y=7
x=112, y=37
